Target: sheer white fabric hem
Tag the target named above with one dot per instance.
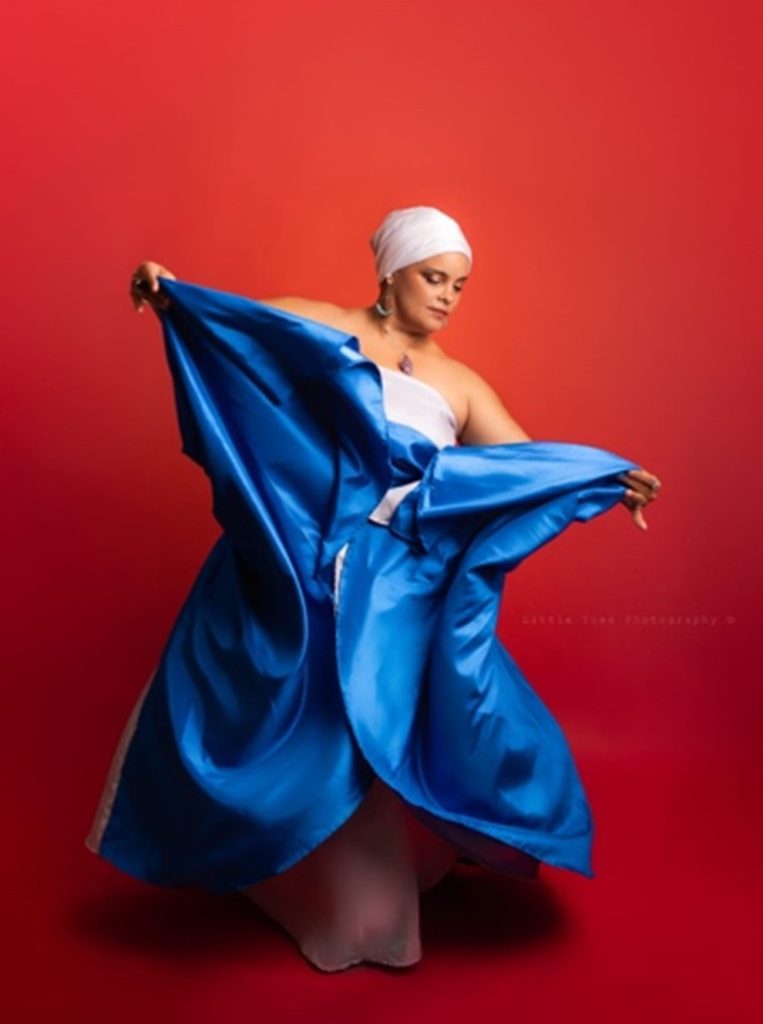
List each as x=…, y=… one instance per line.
x=355, y=898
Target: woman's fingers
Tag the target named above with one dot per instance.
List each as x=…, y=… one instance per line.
x=139, y=291
x=144, y=286
x=638, y=518
x=635, y=502
x=641, y=483
x=642, y=480
x=136, y=294
x=136, y=286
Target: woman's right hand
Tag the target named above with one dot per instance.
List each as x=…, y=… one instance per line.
x=144, y=286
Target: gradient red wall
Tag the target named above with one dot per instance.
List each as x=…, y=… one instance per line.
x=604, y=161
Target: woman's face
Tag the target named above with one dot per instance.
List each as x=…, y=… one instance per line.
x=429, y=285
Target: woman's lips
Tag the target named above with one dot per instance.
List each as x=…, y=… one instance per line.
x=441, y=312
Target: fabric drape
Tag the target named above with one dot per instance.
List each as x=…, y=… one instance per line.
x=277, y=700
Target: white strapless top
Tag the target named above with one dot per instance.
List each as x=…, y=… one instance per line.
x=419, y=405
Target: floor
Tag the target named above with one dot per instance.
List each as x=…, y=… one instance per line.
x=669, y=927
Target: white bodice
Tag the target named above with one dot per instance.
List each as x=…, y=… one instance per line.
x=418, y=404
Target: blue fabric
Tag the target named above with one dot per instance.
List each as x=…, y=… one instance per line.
x=272, y=709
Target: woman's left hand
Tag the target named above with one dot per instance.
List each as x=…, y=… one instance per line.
x=642, y=488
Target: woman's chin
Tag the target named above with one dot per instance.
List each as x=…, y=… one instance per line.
x=434, y=323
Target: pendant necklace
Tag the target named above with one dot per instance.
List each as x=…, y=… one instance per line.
x=404, y=362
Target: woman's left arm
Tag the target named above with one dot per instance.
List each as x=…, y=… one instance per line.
x=488, y=421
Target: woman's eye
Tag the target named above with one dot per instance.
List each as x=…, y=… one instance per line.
x=437, y=280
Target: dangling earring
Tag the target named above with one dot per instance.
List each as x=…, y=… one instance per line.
x=380, y=309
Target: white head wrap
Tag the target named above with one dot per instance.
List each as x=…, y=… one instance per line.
x=411, y=234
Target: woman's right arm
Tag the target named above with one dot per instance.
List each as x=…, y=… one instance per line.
x=144, y=289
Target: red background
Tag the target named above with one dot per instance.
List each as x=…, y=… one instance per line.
x=604, y=161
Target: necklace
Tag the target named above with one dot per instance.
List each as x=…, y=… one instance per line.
x=404, y=362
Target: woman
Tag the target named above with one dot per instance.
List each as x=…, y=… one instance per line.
x=333, y=722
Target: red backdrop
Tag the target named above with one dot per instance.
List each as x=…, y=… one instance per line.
x=604, y=162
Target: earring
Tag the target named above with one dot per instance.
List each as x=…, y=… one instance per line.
x=380, y=309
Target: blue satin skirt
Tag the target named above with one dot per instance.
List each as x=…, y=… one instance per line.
x=278, y=698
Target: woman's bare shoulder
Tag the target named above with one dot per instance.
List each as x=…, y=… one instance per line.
x=462, y=378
